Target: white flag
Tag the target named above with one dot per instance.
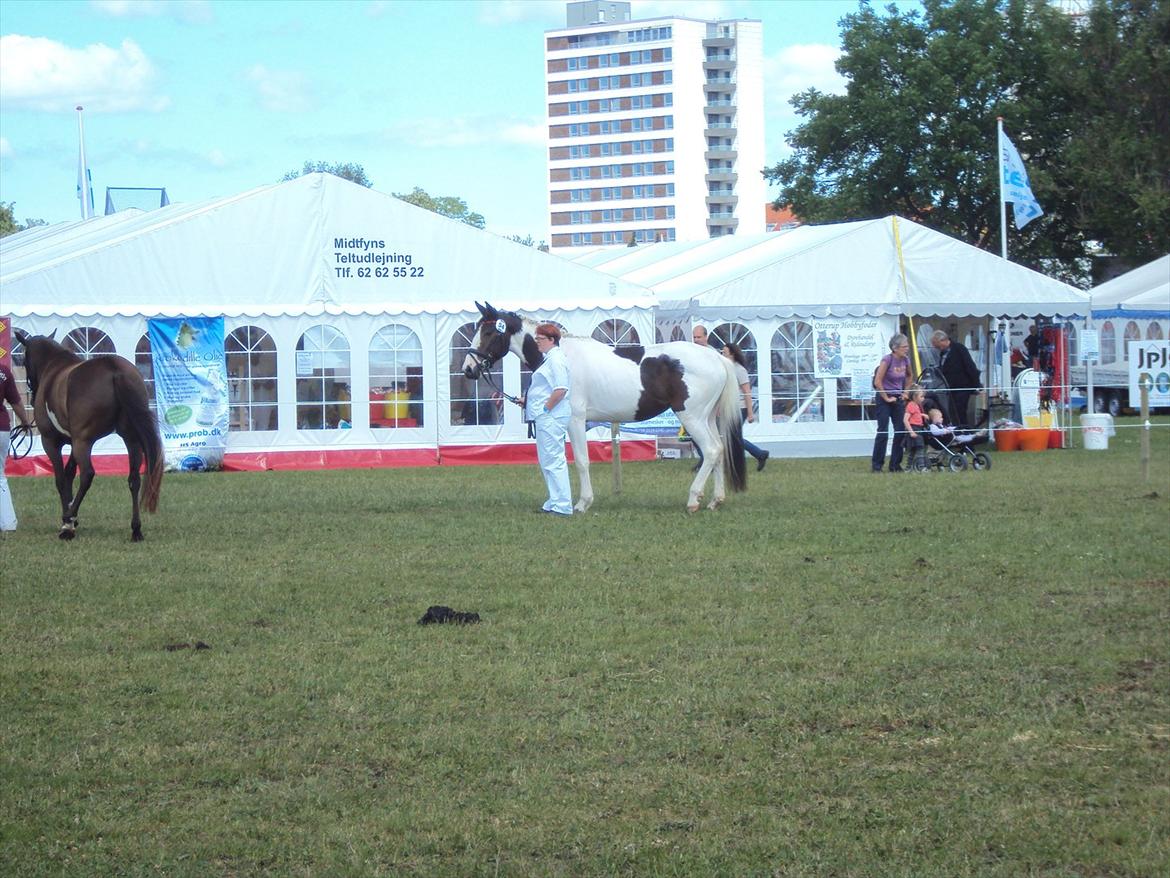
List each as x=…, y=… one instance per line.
x=1015, y=186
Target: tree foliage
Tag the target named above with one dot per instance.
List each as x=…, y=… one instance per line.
x=8, y=223
x=446, y=205
x=351, y=171
x=915, y=132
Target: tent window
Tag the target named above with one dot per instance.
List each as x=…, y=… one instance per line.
x=473, y=403
x=1108, y=343
x=323, y=389
x=793, y=381
x=87, y=342
x=1154, y=331
x=1072, y=342
x=251, y=363
x=738, y=334
x=144, y=360
x=1132, y=333
x=396, y=378
x=617, y=333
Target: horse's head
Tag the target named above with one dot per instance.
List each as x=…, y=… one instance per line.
x=37, y=350
x=498, y=333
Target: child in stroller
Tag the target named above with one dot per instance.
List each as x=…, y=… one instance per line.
x=949, y=448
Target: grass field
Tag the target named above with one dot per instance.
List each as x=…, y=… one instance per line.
x=837, y=674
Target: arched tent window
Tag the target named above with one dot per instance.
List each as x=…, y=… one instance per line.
x=793, y=382
x=323, y=389
x=145, y=363
x=1108, y=343
x=1072, y=342
x=1132, y=333
x=473, y=403
x=678, y=334
x=251, y=366
x=1154, y=331
x=396, y=378
x=88, y=342
x=617, y=333
x=737, y=333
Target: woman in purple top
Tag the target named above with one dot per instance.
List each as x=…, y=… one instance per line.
x=890, y=381
x=8, y=394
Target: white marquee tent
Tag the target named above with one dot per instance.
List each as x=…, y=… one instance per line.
x=1143, y=292
x=773, y=293
x=379, y=291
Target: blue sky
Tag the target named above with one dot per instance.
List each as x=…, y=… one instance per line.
x=210, y=98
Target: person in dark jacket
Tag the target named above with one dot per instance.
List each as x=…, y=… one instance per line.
x=961, y=374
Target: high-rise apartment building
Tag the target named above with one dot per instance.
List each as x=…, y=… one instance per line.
x=655, y=127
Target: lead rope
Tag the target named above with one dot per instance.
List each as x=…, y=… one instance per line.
x=20, y=441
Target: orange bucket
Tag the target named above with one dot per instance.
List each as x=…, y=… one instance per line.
x=1055, y=439
x=1034, y=440
x=1007, y=440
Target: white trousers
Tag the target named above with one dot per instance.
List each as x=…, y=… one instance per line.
x=7, y=513
x=554, y=466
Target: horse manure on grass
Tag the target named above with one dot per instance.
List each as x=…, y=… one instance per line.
x=438, y=615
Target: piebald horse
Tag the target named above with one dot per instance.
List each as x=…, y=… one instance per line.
x=632, y=384
x=75, y=403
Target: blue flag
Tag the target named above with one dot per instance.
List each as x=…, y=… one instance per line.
x=1015, y=186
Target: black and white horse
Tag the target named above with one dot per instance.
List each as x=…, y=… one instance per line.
x=632, y=384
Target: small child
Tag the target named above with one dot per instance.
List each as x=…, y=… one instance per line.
x=913, y=420
x=944, y=431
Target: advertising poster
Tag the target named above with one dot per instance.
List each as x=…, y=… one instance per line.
x=1149, y=364
x=190, y=387
x=844, y=347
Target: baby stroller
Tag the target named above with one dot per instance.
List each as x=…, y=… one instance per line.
x=944, y=447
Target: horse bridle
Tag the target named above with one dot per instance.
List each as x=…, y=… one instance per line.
x=485, y=364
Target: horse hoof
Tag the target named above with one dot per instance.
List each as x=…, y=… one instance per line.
x=692, y=508
x=67, y=533
x=715, y=504
x=136, y=537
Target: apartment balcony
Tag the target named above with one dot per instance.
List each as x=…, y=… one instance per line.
x=722, y=105
x=719, y=63
x=721, y=203
x=722, y=41
x=724, y=224
x=721, y=152
x=716, y=84
x=722, y=176
x=716, y=129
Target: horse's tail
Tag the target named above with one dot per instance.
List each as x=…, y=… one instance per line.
x=144, y=424
x=730, y=425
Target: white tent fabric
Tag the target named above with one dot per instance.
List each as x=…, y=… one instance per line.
x=887, y=266
x=281, y=250
x=1143, y=292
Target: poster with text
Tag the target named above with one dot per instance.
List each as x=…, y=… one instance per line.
x=190, y=387
x=1149, y=364
x=843, y=347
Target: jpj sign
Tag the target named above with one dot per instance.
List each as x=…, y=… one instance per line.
x=1149, y=364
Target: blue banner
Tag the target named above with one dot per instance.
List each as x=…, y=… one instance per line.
x=1016, y=187
x=190, y=387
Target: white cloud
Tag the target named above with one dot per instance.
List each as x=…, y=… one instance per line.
x=42, y=74
x=708, y=10
x=5, y=148
x=467, y=131
x=281, y=91
x=495, y=12
x=189, y=11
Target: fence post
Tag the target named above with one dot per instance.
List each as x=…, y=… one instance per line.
x=615, y=444
x=1145, y=389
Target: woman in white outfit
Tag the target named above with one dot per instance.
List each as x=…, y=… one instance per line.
x=11, y=395
x=547, y=405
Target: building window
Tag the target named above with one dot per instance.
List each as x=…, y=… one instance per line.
x=250, y=353
x=323, y=379
x=396, y=378
x=793, y=382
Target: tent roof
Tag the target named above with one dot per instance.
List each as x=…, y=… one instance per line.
x=882, y=266
x=1143, y=292
x=275, y=250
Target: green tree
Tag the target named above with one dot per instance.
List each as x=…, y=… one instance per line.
x=914, y=134
x=351, y=171
x=8, y=223
x=446, y=205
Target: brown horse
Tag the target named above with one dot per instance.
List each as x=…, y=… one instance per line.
x=75, y=403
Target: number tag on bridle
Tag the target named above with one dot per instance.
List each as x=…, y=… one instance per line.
x=501, y=327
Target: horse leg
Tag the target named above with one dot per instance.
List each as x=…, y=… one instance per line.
x=135, y=480
x=703, y=436
x=720, y=449
x=79, y=461
x=581, y=460
x=63, y=474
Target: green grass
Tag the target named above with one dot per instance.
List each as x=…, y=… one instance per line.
x=836, y=674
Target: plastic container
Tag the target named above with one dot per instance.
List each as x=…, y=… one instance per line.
x=1055, y=439
x=1034, y=439
x=1096, y=429
x=1007, y=440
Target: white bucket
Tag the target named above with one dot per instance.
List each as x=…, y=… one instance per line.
x=1097, y=429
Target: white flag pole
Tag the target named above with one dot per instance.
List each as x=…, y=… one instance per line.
x=83, y=168
x=1002, y=203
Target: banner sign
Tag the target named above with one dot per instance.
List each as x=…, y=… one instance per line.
x=190, y=387
x=844, y=347
x=1090, y=346
x=1149, y=364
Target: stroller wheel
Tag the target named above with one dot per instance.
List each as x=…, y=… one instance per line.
x=958, y=464
x=982, y=461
